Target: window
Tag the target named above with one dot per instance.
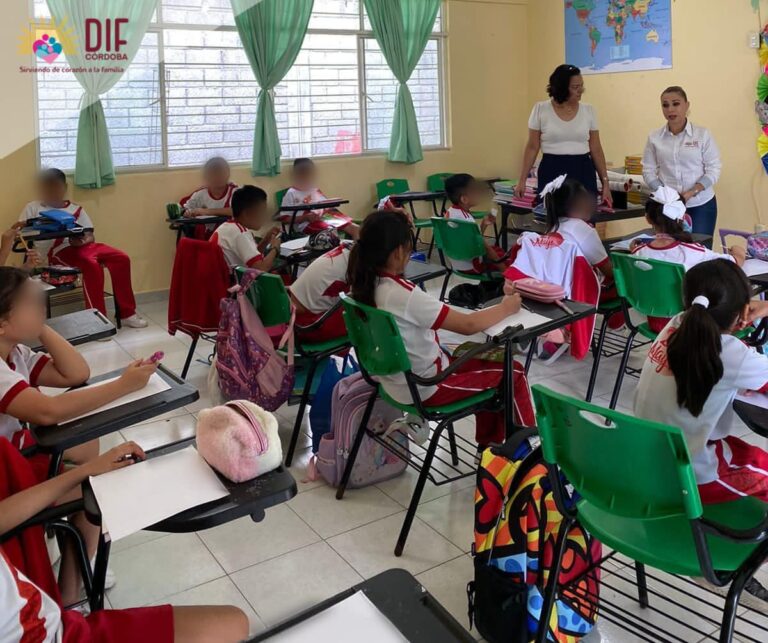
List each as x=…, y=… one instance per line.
x=190, y=93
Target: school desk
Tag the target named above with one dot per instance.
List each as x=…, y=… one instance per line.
x=697, y=237
x=417, y=614
x=29, y=234
x=80, y=327
x=419, y=272
x=186, y=223
x=413, y=197
x=59, y=437
x=755, y=417
x=326, y=204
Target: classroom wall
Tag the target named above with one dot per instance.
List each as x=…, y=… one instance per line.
x=487, y=86
x=711, y=60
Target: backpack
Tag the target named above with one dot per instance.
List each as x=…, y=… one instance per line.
x=757, y=246
x=374, y=463
x=337, y=368
x=516, y=524
x=247, y=363
x=54, y=221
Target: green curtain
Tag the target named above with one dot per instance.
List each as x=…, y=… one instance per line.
x=272, y=32
x=402, y=28
x=94, y=167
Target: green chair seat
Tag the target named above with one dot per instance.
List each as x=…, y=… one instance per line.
x=446, y=409
x=422, y=223
x=641, y=539
x=320, y=347
x=609, y=306
x=486, y=276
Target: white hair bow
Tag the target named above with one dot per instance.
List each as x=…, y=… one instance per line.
x=553, y=185
x=674, y=208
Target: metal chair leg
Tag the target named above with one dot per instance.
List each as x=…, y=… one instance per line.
x=445, y=285
x=551, y=589
x=452, y=443
x=190, y=355
x=529, y=356
x=642, y=585
x=356, y=446
x=622, y=370
x=100, y=572
x=305, y=394
x=597, y=353
x=416, y=496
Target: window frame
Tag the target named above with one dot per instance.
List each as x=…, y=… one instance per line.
x=361, y=34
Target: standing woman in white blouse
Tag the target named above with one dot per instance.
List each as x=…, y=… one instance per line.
x=684, y=156
x=565, y=130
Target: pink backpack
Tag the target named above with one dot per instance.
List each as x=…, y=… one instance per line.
x=247, y=363
x=374, y=463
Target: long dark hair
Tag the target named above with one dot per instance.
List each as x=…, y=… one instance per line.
x=559, y=87
x=694, y=349
x=560, y=202
x=11, y=282
x=381, y=233
x=664, y=224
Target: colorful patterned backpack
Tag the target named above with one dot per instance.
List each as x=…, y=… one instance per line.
x=516, y=524
x=757, y=246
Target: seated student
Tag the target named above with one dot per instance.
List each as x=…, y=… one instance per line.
x=22, y=320
x=215, y=197
x=317, y=290
x=305, y=191
x=465, y=193
x=694, y=370
x=235, y=238
x=27, y=613
x=84, y=252
x=376, y=265
x=665, y=211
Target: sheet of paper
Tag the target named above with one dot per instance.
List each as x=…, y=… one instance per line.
x=755, y=267
x=352, y=620
x=142, y=494
x=155, y=385
x=294, y=245
x=754, y=398
x=524, y=317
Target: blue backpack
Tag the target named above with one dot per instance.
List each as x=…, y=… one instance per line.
x=54, y=221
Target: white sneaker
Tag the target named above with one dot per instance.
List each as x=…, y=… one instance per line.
x=110, y=580
x=134, y=321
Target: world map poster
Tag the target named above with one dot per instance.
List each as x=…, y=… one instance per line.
x=608, y=36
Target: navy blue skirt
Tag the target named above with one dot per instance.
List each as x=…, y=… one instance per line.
x=576, y=166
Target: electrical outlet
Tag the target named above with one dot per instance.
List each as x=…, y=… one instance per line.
x=754, y=40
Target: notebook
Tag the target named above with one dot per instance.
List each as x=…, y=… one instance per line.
x=287, y=248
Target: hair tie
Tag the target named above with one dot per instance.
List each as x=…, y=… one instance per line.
x=673, y=208
x=553, y=185
x=701, y=300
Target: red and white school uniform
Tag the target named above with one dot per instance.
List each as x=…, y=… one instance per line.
x=204, y=199
x=674, y=251
x=332, y=217
x=237, y=243
x=478, y=265
x=29, y=615
x=556, y=259
x=318, y=288
x=419, y=316
x=91, y=259
x=726, y=467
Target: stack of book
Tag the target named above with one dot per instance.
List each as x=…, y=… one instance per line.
x=505, y=191
x=633, y=164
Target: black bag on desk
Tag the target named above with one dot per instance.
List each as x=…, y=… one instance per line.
x=475, y=295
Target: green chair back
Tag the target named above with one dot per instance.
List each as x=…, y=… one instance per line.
x=376, y=338
x=391, y=186
x=458, y=240
x=653, y=288
x=628, y=467
x=269, y=298
x=436, y=182
x=279, y=196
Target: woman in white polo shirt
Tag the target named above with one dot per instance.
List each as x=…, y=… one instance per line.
x=684, y=156
x=565, y=130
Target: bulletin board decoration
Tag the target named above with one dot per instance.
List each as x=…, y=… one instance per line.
x=761, y=104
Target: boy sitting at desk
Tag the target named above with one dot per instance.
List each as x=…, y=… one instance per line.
x=215, y=197
x=303, y=191
x=83, y=252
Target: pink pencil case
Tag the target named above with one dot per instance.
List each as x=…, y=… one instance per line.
x=538, y=290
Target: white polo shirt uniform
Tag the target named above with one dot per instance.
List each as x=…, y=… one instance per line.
x=586, y=239
x=50, y=248
x=319, y=286
x=419, y=316
x=656, y=396
x=683, y=160
x=237, y=243
x=203, y=198
x=687, y=254
x=17, y=374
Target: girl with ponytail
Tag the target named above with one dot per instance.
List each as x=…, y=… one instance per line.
x=375, y=275
x=694, y=370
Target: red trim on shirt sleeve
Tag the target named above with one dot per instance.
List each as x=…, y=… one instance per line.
x=763, y=388
x=253, y=260
x=41, y=363
x=441, y=317
x=604, y=262
x=11, y=394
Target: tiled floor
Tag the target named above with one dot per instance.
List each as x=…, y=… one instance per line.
x=313, y=546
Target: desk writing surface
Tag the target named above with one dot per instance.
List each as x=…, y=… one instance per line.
x=80, y=327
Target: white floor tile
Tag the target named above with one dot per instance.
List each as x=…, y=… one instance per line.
x=243, y=543
x=280, y=588
x=370, y=549
x=221, y=591
x=139, y=538
x=329, y=517
x=156, y=434
x=400, y=488
x=452, y=516
x=159, y=568
x=298, y=468
x=448, y=584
